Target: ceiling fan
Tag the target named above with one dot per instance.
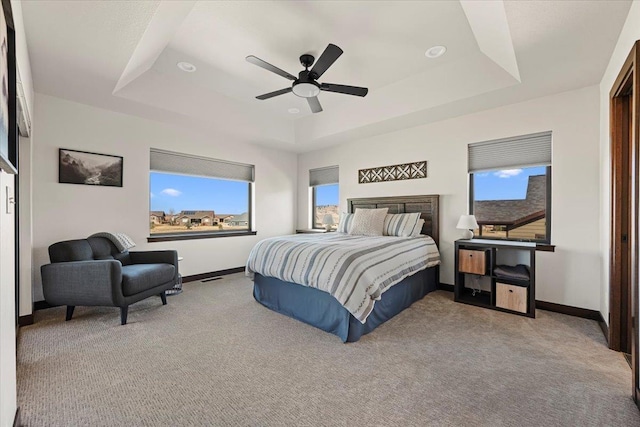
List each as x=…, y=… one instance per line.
x=306, y=85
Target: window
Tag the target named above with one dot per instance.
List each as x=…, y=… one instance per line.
x=325, y=201
x=510, y=188
x=198, y=197
x=325, y=195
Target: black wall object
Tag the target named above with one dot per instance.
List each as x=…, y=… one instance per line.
x=400, y=172
x=83, y=167
x=9, y=152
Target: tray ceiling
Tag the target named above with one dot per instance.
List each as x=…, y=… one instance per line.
x=122, y=56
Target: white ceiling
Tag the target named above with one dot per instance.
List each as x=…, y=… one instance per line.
x=122, y=55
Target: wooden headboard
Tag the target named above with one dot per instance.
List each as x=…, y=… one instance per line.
x=426, y=205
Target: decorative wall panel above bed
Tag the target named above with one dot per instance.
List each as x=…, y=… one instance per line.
x=428, y=206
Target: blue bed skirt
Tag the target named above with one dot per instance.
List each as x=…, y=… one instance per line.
x=319, y=309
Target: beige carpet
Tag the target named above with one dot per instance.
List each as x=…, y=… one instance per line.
x=215, y=357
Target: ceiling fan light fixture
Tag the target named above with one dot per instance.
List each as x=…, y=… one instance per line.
x=186, y=66
x=306, y=90
x=435, y=52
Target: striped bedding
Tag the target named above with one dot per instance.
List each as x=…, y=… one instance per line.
x=355, y=270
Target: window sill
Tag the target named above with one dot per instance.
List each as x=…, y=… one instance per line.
x=312, y=230
x=542, y=247
x=195, y=235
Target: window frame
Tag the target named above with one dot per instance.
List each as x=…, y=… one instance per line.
x=546, y=240
x=313, y=204
x=313, y=208
x=192, y=235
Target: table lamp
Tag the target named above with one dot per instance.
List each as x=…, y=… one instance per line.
x=467, y=223
x=327, y=220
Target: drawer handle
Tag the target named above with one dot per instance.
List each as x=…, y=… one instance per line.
x=511, y=290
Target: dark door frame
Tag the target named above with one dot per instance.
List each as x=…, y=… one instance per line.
x=625, y=146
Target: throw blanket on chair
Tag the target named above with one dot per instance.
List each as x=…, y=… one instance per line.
x=121, y=240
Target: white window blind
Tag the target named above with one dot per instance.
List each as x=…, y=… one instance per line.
x=516, y=152
x=186, y=164
x=323, y=176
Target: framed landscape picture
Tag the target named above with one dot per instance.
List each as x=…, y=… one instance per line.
x=81, y=167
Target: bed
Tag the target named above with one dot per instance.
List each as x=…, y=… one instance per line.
x=318, y=307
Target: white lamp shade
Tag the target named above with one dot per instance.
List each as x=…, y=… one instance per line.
x=327, y=219
x=467, y=222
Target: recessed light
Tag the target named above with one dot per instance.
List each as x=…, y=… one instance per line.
x=435, y=51
x=293, y=110
x=186, y=66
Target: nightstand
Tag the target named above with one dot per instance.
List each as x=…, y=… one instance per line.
x=177, y=289
x=478, y=281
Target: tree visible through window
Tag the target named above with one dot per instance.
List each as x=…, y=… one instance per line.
x=512, y=203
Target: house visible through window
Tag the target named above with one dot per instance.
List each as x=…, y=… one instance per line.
x=191, y=194
x=325, y=195
x=511, y=203
x=510, y=188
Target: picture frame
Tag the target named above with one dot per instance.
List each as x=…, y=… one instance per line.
x=87, y=168
x=8, y=99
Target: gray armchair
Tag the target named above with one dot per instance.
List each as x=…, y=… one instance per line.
x=93, y=272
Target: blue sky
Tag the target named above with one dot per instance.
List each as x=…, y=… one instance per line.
x=327, y=195
x=510, y=184
x=182, y=192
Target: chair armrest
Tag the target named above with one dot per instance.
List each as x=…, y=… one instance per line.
x=83, y=283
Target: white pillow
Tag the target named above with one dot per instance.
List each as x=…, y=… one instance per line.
x=368, y=222
x=418, y=230
x=346, y=219
x=401, y=225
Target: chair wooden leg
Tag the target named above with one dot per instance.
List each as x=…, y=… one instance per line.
x=123, y=315
x=163, y=297
x=70, y=312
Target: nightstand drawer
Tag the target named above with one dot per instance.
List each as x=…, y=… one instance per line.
x=511, y=297
x=472, y=262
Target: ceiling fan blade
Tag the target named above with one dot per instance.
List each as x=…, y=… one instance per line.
x=348, y=90
x=314, y=104
x=276, y=93
x=260, y=63
x=328, y=57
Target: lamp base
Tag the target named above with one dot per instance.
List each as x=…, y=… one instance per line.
x=468, y=235
x=327, y=227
